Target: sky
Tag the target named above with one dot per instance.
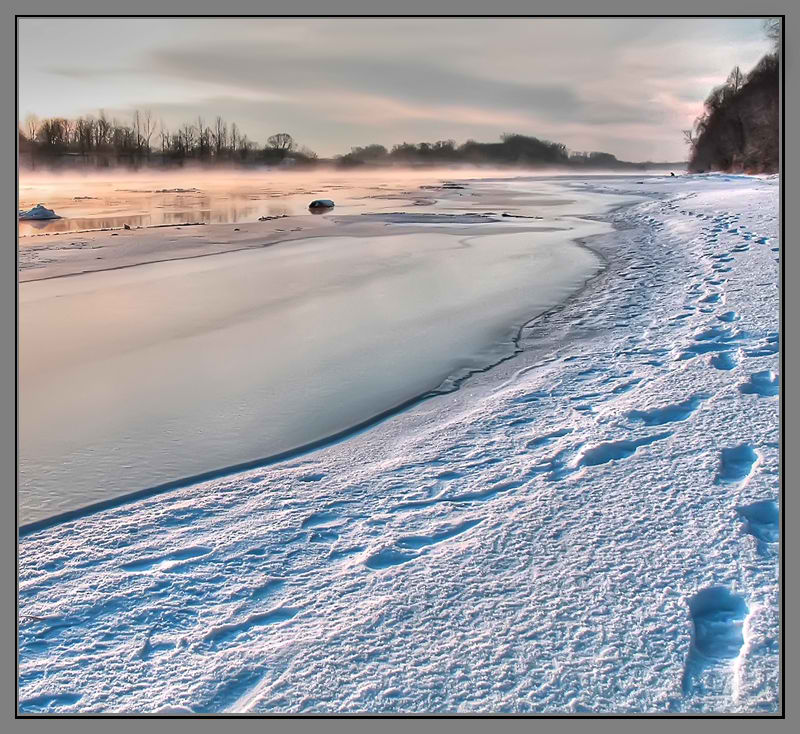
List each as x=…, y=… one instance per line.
x=623, y=86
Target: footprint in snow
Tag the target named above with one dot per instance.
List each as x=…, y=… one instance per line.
x=761, y=520
x=388, y=557
x=617, y=450
x=717, y=616
x=764, y=384
x=723, y=361
x=736, y=463
x=669, y=413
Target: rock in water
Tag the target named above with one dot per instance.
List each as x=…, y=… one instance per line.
x=40, y=211
x=321, y=204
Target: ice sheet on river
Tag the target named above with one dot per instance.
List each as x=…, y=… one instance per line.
x=135, y=377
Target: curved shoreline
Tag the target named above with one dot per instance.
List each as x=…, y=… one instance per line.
x=452, y=382
x=448, y=385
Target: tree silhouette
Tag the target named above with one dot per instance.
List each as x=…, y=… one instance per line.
x=735, y=79
x=772, y=29
x=739, y=128
x=281, y=141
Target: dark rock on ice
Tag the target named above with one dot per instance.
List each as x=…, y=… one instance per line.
x=321, y=204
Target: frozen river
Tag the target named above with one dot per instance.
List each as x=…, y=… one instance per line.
x=134, y=377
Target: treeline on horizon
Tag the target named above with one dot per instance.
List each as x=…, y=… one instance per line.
x=99, y=142
x=513, y=149
x=102, y=142
x=738, y=130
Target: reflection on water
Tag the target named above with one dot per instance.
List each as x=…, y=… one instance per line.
x=94, y=204
x=36, y=224
x=143, y=210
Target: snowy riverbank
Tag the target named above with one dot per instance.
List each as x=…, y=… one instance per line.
x=589, y=526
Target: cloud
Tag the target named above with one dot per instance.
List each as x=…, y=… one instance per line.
x=409, y=80
x=624, y=85
x=74, y=72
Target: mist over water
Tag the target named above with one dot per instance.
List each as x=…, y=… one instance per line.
x=151, y=198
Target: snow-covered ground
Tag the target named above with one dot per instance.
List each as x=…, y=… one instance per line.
x=589, y=526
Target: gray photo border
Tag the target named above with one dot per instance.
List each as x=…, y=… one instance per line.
x=8, y=292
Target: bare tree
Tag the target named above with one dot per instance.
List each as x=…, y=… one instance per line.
x=245, y=146
x=84, y=134
x=31, y=126
x=234, y=137
x=187, y=135
x=148, y=128
x=220, y=136
x=282, y=142
x=135, y=141
x=308, y=153
x=137, y=131
x=736, y=79
x=67, y=130
x=203, y=135
x=716, y=99
x=772, y=30
x=103, y=134
x=165, y=138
